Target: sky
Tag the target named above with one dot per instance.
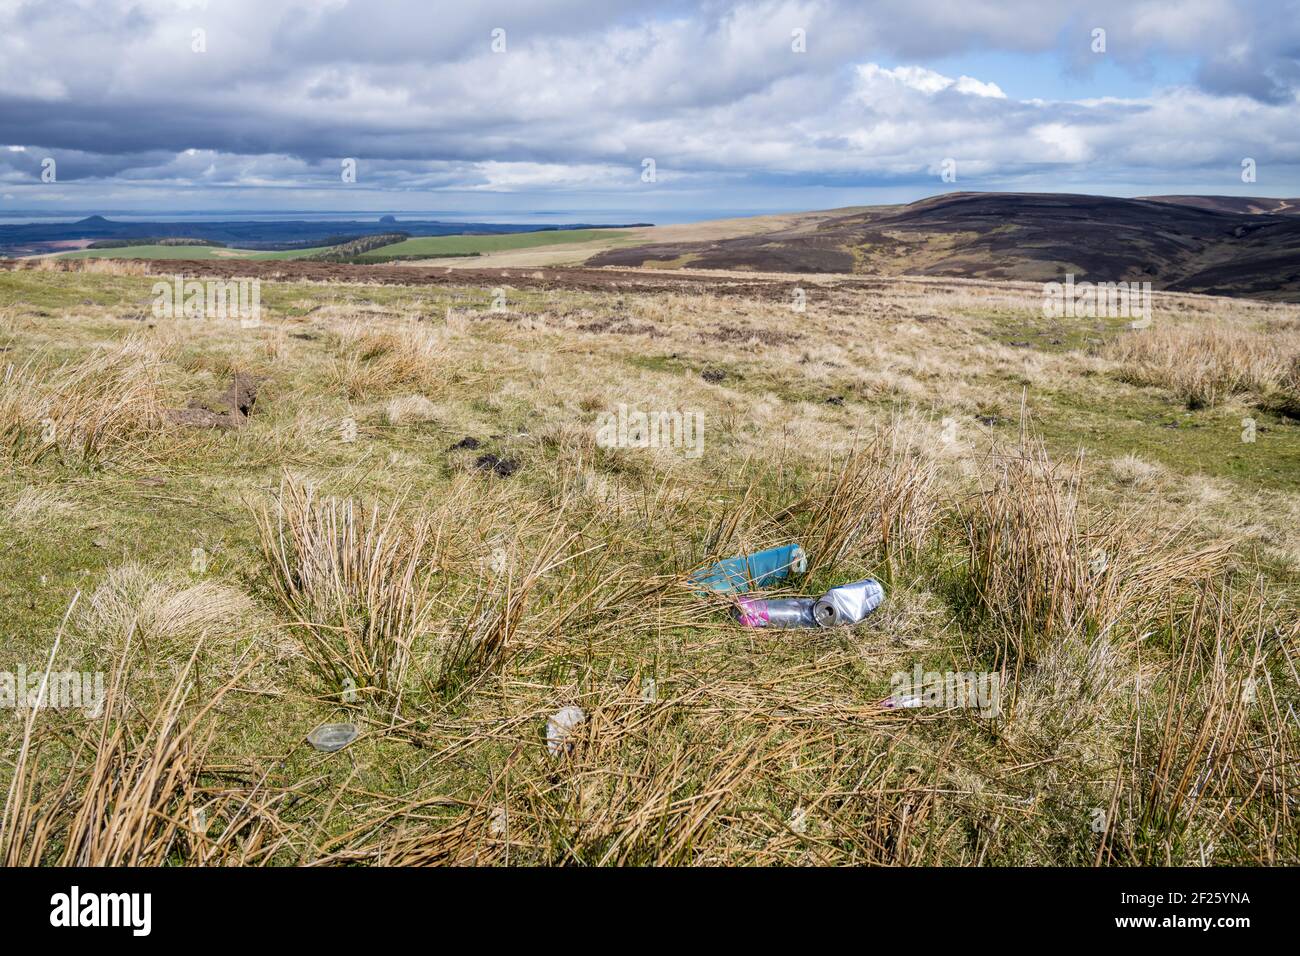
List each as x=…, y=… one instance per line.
x=655, y=111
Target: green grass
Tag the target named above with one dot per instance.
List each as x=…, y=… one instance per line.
x=434, y=246
x=1118, y=419
x=938, y=787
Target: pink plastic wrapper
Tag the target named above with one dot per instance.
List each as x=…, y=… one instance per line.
x=752, y=612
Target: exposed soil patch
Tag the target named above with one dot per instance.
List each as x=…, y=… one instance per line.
x=196, y=415
x=501, y=467
x=230, y=410
x=616, y=326
x=733, y=333
x=242, y=394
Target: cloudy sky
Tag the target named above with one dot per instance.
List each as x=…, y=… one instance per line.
x=493, y=107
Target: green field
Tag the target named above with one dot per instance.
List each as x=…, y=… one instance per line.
x=434, y=246
x=191, y=252
x=430, y=246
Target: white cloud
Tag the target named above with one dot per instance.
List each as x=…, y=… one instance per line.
x=973, y=87
x=1062, y=143
x=924, y=80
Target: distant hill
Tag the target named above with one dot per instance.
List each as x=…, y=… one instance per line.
x=1244, y=205
x=1218, y=245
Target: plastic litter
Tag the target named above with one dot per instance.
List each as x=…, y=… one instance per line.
x=561, y=726
x=777, y=612
x=840, y=606
x=848, y=603
x=739, y=574
x=901, y=701
x=332, y=737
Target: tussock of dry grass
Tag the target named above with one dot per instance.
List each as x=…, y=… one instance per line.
x=1204, y=365
x=410, y=408
x=160, y=612
x=354, y=580
x=374, y=360
x=83, y=409
x=1208, y=777
x=1135, y=471
x=1046, y=575
x=880, y=498
x=34, y=506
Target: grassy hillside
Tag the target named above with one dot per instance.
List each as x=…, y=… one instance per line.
x=387, y=505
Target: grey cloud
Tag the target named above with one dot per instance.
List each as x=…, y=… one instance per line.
x=413, y=89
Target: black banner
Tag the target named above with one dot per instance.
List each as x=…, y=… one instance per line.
x=899, y=906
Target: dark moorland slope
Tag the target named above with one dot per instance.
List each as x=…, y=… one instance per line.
x=1219, y=245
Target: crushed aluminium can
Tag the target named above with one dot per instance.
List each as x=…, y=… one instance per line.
x=848, y=603
x=762, y=568
x=775, y=612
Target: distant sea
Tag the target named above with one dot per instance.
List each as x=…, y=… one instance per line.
x=595, y=217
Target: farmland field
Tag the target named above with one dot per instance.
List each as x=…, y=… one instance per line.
x=434, y=246
x=387, y=504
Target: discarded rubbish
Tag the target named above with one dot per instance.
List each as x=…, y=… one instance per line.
x=777, y=612
x=560, y=727
x=848, y=603
x=799, y=820
x=739, y=574
x=332, y=737
x=899, y=701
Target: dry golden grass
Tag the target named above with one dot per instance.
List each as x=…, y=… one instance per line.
x=83, y=409
x=130, y=793
x=165, y=615
x=374, y=360
x=1047, y=574
x=879, y=499
x=410, y=408
x=1206, y=365
x=353, y=579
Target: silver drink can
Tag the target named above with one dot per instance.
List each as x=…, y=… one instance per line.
x=778, y=612
x=848, y=603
